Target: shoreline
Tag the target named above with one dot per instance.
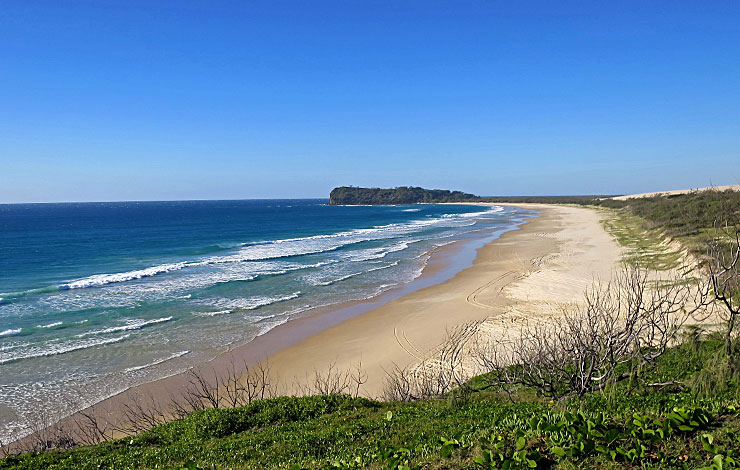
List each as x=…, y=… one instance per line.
x=524, y=275
x=441, y=264
x=398, y=327
x=403, y=332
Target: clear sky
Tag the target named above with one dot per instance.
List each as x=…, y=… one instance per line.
x=209, y=99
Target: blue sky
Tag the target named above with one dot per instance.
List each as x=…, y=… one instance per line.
x=129, y=100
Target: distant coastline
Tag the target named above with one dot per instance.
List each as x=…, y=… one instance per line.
x=357, y=196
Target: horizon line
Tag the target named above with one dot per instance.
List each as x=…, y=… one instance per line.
x=273, y=199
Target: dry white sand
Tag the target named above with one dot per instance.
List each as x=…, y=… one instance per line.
x=732, y=187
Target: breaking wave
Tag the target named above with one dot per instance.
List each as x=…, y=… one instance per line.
x=103, y=279
x=135, y=324
x=54, y=348
x=160, y=361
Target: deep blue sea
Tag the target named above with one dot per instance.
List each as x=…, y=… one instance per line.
x=97, y=297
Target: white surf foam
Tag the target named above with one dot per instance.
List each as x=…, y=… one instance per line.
x=53, y=348
x=134, y=324
x=395, y=263
x=339, y=279
x=467, y=215
x=10, y=332
x=213, y=314
x=9, y=346
x=251, y=303
x=379, y=252
x=50, y=325
x=160, y=361
x=103, y=279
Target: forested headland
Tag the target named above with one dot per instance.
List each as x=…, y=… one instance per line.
x=352, y=195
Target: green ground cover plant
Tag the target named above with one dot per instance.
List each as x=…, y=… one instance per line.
x=644, y=246
x=626, y=426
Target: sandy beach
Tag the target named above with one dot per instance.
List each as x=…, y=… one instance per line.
x=524, y=275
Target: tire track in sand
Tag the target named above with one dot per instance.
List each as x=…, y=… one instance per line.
x=500, y=282
x=504, y=280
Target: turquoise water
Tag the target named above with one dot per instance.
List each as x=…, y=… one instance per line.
x=97, y=297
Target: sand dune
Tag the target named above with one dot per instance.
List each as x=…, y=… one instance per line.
x=732, y=187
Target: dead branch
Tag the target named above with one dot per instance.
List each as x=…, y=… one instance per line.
x=91, y=427
x=141, y=413
x=358, y=377
x=631, y=319
x=724, y=273
x=331, y=381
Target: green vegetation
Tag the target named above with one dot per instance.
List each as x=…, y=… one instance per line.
x=625, y=426
x=687, y=216
x=351, y=195
x=644, y=246
x=595, y=199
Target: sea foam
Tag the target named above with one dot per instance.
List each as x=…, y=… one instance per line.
x=250, y=303
x=54, y=348
x=134, y=324
x=103, y=279
x=160, y=361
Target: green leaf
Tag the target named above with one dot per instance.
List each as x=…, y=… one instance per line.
x=559, y=451
x=389, y=416
x=611, y=436
x=480, y=461
x=588, y=446
x=521, y=443
x=706, y=441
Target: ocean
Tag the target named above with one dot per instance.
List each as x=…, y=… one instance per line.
x=98, y=297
